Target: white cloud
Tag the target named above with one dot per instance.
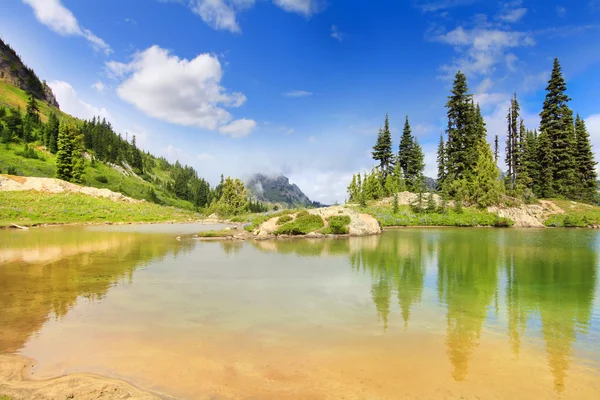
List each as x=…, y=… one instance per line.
x=298, y=93
x=534, y=82
x=304, y=7
x=222, y=14
x=439, y=5
x=99, y=86
x=62, y=21
x=336, y=34
x=511, y=61
x=312, y=139
x=514, y=15
x=480, y=49
x=71, y=104
x=593, y=126
x=180, y=91
x=238, y=128
x=561, y=11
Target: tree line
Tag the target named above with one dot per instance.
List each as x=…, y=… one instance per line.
x=555, y=161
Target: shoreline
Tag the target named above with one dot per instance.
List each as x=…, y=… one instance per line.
x=14, y=382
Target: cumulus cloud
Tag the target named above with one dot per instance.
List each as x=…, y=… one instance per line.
x=481, y=49
x=180, y=91
x=514, y=15
x=72, y=104
x=99, y=86
x=222, y=14
x=62, y=21
x=561, y=11
x=297, y=93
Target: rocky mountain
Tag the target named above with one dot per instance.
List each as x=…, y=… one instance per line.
x=14, y=72
x=277, y=189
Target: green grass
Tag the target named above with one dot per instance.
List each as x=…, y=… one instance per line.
x=337, y=225
x=577, y=215
x=284, y=219
x=302, y=225
x=14, y=97
x=215, y=234
x=5, y=397
x=99, y=175
x=31, y=208
x=254, y=220
x=407, y=217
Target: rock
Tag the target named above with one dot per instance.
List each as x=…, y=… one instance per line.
x=227, y=229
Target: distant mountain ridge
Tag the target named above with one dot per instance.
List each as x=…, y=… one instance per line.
x=278, y=189
x=14, y=72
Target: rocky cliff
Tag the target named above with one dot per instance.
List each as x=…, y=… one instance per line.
x=13, y=71
x=277, y=189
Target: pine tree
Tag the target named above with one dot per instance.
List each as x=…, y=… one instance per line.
x=51, y=133
x=382, y=151
x=415, y=180
x=587, y=176
x=64, y=156
x=512, y=142
x=545, y=163
x=405, y=148
x=530, y=161
x=352, y=189
x=487, y=188
x=441, y=160
x=496, y=149
x=77, y=159
x=136, y=157
x=395, y=204
x=557, y=123
x=33, y=111
x=460, y=131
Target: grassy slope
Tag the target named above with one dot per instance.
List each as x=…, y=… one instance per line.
x=31, y=207
x=575, y=215
x=131, y=186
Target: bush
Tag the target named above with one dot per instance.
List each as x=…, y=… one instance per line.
x=503, y=223
x=28, y=152
x=302, y=225
x=338, y=225
x=102, y=179
x=11, y=170
x=571, y=221
x=284, y=220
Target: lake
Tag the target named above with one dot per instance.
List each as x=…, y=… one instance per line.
x=413, y=313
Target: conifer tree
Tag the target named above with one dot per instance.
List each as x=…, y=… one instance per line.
x=77, y=159
x=136, y=157
x=530, y=166
x=441, y=160
x=487, y=188
x=51, y=133
x=545, y=163
x=352, y=189
x=64, y=156
x=405, y=148
x=462, y=132
x=496, y=149
x=587, y=176
x=557, y=123
x=33, y=111
x=382, y=151
x=415, y=180
x=512, y=140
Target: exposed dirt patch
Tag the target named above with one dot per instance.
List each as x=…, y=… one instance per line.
x=51, y=185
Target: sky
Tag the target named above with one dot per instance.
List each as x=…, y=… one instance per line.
x=301, y=87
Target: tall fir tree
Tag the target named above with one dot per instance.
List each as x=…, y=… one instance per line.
x=530, y=166
x=587, y=175
x=33, y=110
x=496, y=149
x=77, y=158
x=51, y=133
x=405, y=148
x=487, y=188
x=415, y=181
x=512, y=142
x=382, y=151
x=546, y=167
x=557, y=123
x=441, y=161
x=64, y=156
x=461, y=132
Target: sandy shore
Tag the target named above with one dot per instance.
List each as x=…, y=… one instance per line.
x=14, y=370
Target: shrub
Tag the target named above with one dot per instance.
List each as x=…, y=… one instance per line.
x=284, y=220
x=302, y=225
x=11, y=170
x=338, y=225
x=302, y=213
x=28, y=152
x=503, y=223
x=571, y=221
x=102, y=179
x=215, y=234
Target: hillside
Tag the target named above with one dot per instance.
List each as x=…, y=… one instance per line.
x=113, y=161
x=14, y=72
x=277, y=189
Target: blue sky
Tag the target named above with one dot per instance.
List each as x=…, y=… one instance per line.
x=300, y=87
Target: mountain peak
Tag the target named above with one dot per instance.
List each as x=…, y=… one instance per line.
x=277, y=189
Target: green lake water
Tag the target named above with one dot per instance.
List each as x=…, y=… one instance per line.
x=413, y=313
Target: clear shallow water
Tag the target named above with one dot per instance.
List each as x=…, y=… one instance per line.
x=414, y=313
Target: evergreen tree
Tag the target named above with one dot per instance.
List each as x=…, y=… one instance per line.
x=51, y=133
x=353, y=189
x=234, y=199
x=14, y=124
x=395, y=204
x=512, y=142
x=487, y=188
x=77, y=159
x=405, y=148
x=441, y=160
x=64, y=156
x=415, y=180
x=545, y=163
x=461, y=135
x=496, y=149
x=530, y=167
x=382, y=151
x=33, y=110
x=587, y=176
x=557, y=123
